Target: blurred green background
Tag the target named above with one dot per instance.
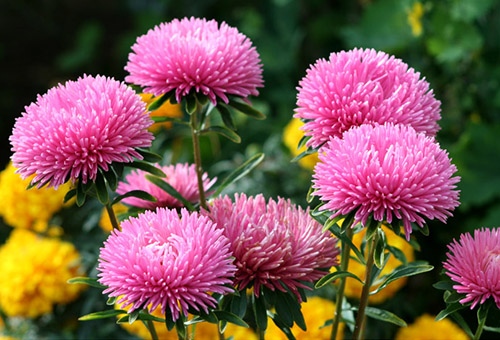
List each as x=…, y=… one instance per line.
x=454, y=44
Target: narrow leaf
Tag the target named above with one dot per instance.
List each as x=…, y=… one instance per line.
x=280, y=324
x=169, y=190
x=303, y=154
x=343, y=237
x=80, y=194
x=334, y=276
x=239, y=305
x=491, y=329
x=443, y=285
x=191, y=104
x=159, y=101
x=451, y=308
x=379, y=254
x=226, y=116
x=259, y=310
x=461, y=322
x=223, y=131
x=102, y=314
x=149, y=156
x=102, y=191
x=241, y=171
x=386, y=316
x=169, y=119
x=398, y=254
x=180, y=327
x=230, y=317
x=111, y=178
x=247, y=109
x=135, y=193
x=147, y=167
x=410, y=269
x=424, y=229
x=303, y=141
x=111, y=300
x=69, y=195
x=87, y=281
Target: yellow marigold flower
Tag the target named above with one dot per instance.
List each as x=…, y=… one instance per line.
x=165, y=110
x=415, y=15
x=35, y=271
x=316, y=311
x=425, y=328
x=353, y=287
x=202, y=330
x=291, y=137
x=29, y=209
x=104, y=222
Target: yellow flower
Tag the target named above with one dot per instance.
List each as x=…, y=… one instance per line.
x=316, y=311
x=353, y=287
x=104, y=222
x=202, y=330
x=34, y=275
x=291, y=137
x=425, y=328
x=165, y=110
x=415, y=15
x=29, y=209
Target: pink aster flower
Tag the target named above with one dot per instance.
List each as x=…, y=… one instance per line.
x=195, y=54
x=182, y=177
x=76, y=128
x=161, y=259
x=363, y=87
x=386, y=171
x=273, y=242
x=474, y=264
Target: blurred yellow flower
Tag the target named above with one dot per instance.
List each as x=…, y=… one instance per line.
x=29, y=209
x=353, y=287
x=425, y=328
x=415, y=15
x=202, y=330
x=291, y=137
x=316, y=311
x=35, y=271
x=165, y=110
x=104, y=222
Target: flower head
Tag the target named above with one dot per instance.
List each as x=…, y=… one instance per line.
x=474, y=264
x=35, y=271
x=273, y=242
x=29, y=209
x=197, y=54
x=162, y=260
x=76, y=128
x=386, y=171
x=363, y=87
x=182, y=177
x=426, y=328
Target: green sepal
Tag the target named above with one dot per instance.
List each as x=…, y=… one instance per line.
x=223, y=131
x=165, y=186
x=412, y=268
x=102, y=190
x=444, y=285
x=452, y=296
x=180, y=327
x=238, y=305
x=111, y=178
x=69, y=195
x=424, y=229
x=246, y=109
x=102, y=314
x=160, y=100
x=239, y=172
x=147, y=167
x=371, y=228
x=143, y=195
x=87, y=281
x=149, y=156
x=281, y=325
x=303, y=141
x=334, y=276
x=111, y=300
x=259, y=311
x=310, y=196
x=80, y=194
x=379, y=253
x=191, y=104
x=226, y=116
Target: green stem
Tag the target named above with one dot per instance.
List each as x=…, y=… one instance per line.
x=197, y=156
x=262, y=334
x=479, y=329
x=221, y=335
x=112, y=216
x=344, y=264
x=151, y=328
x=363, y=302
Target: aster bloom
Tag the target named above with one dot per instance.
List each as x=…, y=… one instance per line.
x=363, y=87
x=76, y=128
x=182, y=177
x=474, y=264
x=273, y=242
x=35, y=271
x=162, y=260
x=197, y=54
x=387, y=171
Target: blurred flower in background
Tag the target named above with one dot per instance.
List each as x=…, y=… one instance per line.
x=353, y=287
x=415, y=14
x=165, y=110
x=291, y=137
x=35, y=271
x=426, y=328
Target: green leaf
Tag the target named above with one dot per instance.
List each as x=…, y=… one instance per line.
x=135, y=193
x=226, y=116
x=147, y=167
x=294, y=308
x=191, y=104
x=159, y=101
x=303, y=154
x=343, y=237
x=303, y=141
x=310, y=197
x=133, y=316
x=491, y=329
x=452, y=296
x=149, y=156
x=169, y=322
x=410, y=269
x=102, y=314
x=259, y=310
x=180, y=327
x=80, y=194
x=379, y=254
x=451, y=308
x=461, y=322
x=424, y=229
x=87, y=281
x=230, y=317
x=386, y=316
x=444, y=285
x=169, y=119
x=223, y=131
x=170, y=190
x=246, y=109
x=283, y=311
x=111, y=300
x=239, y=305
x=281, y=325
x=241, y=171
x=334, y=276
x=102, y=190
x=398, y=254
x=482, y=313
x=111, y=178
x=69, y=195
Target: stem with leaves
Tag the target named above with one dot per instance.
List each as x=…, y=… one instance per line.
x=151, y=328
x=344, y=263
x=112, y=216
x=482, y=315
x=363, y=302
x=195, y=133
